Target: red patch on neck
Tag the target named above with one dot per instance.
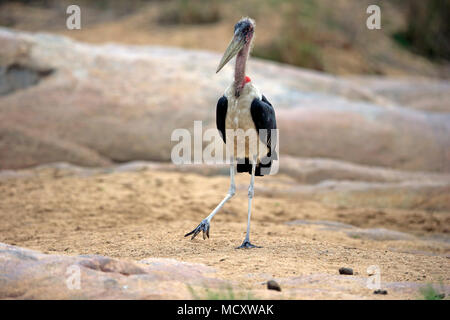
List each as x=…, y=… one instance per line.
x=247, y=79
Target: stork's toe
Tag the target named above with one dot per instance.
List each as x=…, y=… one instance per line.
x=247, y=245
x=203, y=226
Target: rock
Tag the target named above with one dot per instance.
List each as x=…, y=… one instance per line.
x=347, y=271
x=340, y=182
x=32, y=147
x=16, y=77
x=273, y=285
x=28, y=274
x=315, y=170
x=379, y=291
x=114, y=103
x=323, y=224
x=379, y=234
x=422, y=94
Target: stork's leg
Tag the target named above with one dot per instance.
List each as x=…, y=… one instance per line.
x=204, y=225
x=246, y=244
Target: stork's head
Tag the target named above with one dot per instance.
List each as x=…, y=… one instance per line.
x=243, y=35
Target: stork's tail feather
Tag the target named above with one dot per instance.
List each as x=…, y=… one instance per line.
x=262, y=168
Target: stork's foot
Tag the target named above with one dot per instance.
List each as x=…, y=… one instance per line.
x=247, y=245
x=203, y=226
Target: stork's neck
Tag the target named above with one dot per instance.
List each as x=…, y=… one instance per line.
x=239, y=70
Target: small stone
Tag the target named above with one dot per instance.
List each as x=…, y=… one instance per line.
x=379, y=291
x=348, y=271
x=273, y=285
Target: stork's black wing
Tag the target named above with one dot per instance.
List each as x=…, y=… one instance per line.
x=221, y=114
x=263, y=116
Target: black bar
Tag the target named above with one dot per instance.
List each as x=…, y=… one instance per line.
x=224, y=309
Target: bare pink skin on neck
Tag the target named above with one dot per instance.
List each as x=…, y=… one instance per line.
x=239, y=70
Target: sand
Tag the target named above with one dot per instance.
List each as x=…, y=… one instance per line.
x=145, y=213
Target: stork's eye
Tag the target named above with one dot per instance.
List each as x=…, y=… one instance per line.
x=243, y=27
x=247, y=29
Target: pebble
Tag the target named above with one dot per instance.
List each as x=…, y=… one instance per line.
x=348, y=271
x=273, y=285
x=379, y=291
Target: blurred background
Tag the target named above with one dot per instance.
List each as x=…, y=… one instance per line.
x=325, y=35
x=115, y=90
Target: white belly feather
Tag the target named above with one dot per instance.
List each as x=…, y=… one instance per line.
x=239, y=117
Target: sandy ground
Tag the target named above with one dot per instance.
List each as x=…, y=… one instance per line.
x=142, y=214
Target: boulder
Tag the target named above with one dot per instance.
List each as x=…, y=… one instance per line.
x=97, y=104
x=29, y=274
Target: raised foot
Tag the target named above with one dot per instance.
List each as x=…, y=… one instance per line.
x=247, y=245
x=203, y=226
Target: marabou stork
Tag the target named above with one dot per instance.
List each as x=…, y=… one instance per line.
x=243, y=107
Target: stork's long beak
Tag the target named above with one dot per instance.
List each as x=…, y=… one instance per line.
x=235, y=45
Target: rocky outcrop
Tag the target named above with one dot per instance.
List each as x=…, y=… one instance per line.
x=28, y=274
x=97, y=104
x=422, y=94
x=378, y=234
